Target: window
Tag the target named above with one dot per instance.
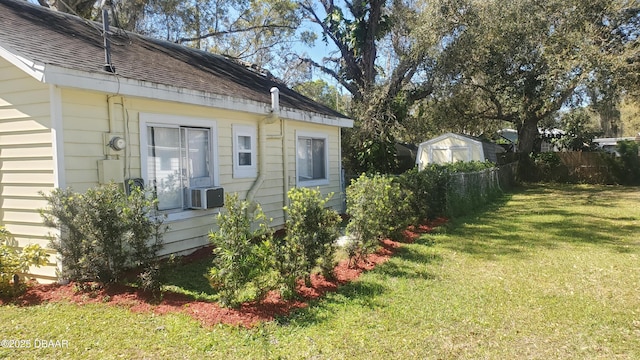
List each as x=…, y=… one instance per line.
x=177, y=158
x=244, y=151
x=312, y=159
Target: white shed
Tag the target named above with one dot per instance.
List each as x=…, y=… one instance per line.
x=450, y=147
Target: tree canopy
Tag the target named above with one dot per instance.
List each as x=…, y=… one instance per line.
x=248, y=30
x=386, y=58
x=414, y=68
x=521, y=61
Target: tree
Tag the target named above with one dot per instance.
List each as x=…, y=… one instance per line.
x=580, y=130
x=82, y=8
x=248, y=30
x=320, y=91
x=630, y=117
x=522, y=61
x=382, y=88
x=253, y=31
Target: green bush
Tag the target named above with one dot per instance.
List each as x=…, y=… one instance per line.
x=429, y=189
x=104, y=232
x=13, y=262
x=243, y=264
x=468, y=166
x=378, y=208
x=437, y=190
x=627, y=166
x=310, y=241
x=548, y=167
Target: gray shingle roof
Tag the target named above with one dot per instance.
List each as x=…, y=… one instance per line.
x=64, y=40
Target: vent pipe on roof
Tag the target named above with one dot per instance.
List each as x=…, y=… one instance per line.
x=108, y=66
x=275, y=100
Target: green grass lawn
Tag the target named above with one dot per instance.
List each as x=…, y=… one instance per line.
x=549, y=272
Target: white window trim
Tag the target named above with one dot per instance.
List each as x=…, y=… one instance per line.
x=244, y=171
x=313, y=135
x=150, y=119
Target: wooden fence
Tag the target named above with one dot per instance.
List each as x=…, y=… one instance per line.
x=587, y=167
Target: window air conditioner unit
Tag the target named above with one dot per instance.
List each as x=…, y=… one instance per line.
x=206, y=198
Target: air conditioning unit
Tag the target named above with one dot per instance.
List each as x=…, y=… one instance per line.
x=206, y=198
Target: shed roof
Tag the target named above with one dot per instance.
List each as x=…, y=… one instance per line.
x=489, y=149
x=53, y=39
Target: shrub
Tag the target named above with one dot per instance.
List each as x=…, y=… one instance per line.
x=242, y=267
x=14, y=262
x=548, y=167
x=627, y=166
x=150, y=280
x=310, y=241
x=468, y=166
x=103, y=232
x=429, y=189
x=436, y=191
x=378, y=209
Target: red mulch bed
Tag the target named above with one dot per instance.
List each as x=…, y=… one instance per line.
x=209, y=314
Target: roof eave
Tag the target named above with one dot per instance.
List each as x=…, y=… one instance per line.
x=32, y=68
x=112, y=83
x=453, y=135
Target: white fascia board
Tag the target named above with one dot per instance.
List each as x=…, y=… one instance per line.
x=311, y=117
x=118, y=85
x=32, y=68
x=112, y=83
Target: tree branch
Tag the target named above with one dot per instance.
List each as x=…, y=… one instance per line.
x=354, y=90
x=420, y=92
x=403, y=71
x=353, y=70
x=564, y=95
x=499, y=115
x=235, y=31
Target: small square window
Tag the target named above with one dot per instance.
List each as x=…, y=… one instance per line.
x=244, y=143
x=244, y=151
x=244, y=158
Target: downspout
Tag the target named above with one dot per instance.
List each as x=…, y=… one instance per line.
x=57, y=147
x=262, y=147
x=343, y=187
x=285, y=165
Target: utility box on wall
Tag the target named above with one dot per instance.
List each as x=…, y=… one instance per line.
x=110, y=170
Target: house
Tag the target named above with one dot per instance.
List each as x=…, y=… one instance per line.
x=450, y=147
x=611, y=144
x=510, y=138
x=193, y=125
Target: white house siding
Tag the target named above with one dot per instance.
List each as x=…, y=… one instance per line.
x=333, y=134
x=86, y=119
x=27, y=155
x=26, y=158
x=191, y=233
